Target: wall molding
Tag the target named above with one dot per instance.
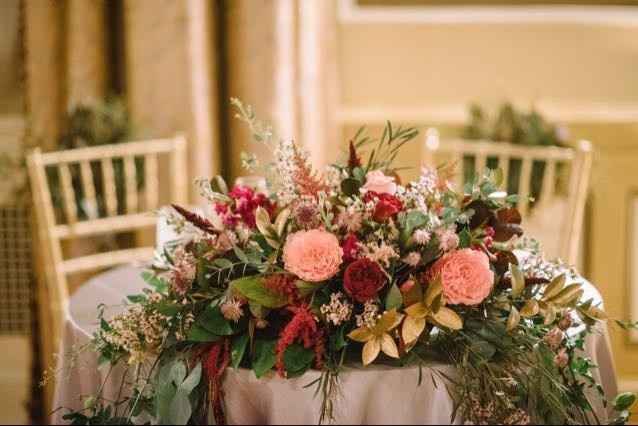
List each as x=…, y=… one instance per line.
x=351, y=12
x=632, y=260
x=456, y=114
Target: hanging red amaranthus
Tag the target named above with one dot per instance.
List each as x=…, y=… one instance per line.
x=215, y=363
x=302, y=327
x=283, y=284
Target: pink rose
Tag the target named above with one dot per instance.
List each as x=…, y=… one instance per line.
x=377, y=182
x=313, y=255
x=465, y=275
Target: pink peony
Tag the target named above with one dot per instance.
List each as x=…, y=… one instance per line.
x=312, y=255
x=465, y=275
x=377, y=182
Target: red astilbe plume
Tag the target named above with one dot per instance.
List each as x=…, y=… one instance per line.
x=353, y=159
x=215, y=363
x=302, y=327
x=308, y=182
x=196, y=220
x=283, y=284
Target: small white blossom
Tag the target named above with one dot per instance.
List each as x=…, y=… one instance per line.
x=421, y=237
x=369, y=316
x=338, y=310
x=412, y=259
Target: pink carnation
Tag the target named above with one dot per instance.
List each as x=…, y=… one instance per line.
x=312, y=255
x=465, y=275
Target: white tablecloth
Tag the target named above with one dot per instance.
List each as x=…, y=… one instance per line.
x=377, y=395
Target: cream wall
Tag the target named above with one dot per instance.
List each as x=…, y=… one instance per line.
x=580, y=69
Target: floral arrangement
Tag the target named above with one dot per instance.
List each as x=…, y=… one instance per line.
x=353, y=267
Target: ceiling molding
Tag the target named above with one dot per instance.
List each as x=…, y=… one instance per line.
x=457, y=114
x=353, y=13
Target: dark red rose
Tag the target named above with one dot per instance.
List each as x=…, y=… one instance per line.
x=350, y=248
x=387, y=207
x=363, y=279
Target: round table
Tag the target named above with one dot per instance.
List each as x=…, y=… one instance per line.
x=374, y=395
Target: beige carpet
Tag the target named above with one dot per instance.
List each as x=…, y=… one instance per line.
x=15, y=359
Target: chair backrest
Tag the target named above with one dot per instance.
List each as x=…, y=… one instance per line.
x=532, y=165
x=125, y=201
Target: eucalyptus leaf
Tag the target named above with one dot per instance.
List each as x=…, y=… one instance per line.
x=200, y=334
x=192, y=380
x=180, y=408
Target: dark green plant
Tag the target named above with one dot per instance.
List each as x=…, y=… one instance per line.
x=510, y=125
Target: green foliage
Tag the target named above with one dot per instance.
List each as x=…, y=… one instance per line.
x=263, y=357
x=252, y=288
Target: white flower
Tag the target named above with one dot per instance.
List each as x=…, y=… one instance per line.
x=448, y=240
x=412, y=259
x=380, y=253
x=231, y=310
x=338, y=310
x=421, y=237
x=369, y=316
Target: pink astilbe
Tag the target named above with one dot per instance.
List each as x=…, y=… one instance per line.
x=308, y=182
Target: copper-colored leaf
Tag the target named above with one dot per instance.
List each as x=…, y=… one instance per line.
x=388, y=321
x=370, y=351
x=509, y=215
x=530, y=309
x=566, y=295
x=513, y=320
x=433, y=291
x=518, y=280
x=362, y=334
x=389, y=346
x=418, y=310
x=412, y=329
x=554, y=287
x=446, y=317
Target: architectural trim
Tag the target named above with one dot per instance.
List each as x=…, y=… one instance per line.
x=632, y=260
x=351, y=12
x=457, y=114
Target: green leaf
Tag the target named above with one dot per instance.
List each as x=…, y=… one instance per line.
x=297, y=359
x=213, y=320
x=238, y=349
x=350, y=186
x=180, y=408
x=465, y=238
x=359, y=174
x=163, y=400
x=306, y=288
x=223, y=263
x=200, y=334
x=218, y=184
x=159, y=284
x=624, y=401
x=394, y=299
x=338, y=340
x=192, y=380
x=177, y=372
x=168, y=309
x=252, y=289
x=264, y=357
x=136, y=298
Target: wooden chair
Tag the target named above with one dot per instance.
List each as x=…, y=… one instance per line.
x=557, y=161
x=76, y=170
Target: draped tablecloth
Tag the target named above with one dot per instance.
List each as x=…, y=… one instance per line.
x=374, y=395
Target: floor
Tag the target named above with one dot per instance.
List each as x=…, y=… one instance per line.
x=15, y=359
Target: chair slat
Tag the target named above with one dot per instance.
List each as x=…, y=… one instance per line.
x=524, y=185
x=151, y=184
x=179, y=186
x=88, y=187
x=108, y=182
x=130, y=184
x=549, y=182
x=480, y=160
x=104, y=260
x=457, y=160
x=504, y=165
x=70, y=207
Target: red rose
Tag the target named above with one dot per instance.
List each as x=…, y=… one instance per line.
x=363, y=279
x=350, y=248
x=387, y=207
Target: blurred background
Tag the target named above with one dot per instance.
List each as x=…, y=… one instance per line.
x=92, y=72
